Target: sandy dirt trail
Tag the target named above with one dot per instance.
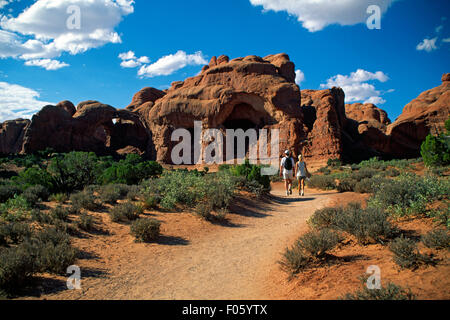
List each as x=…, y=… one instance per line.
x=232, y=262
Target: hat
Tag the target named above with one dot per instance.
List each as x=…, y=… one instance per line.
x=287, y=152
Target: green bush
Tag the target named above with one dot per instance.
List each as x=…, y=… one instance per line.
x=15, y=209
x=130, y=171
x=8, y=191
x=435, y=150
x=204, y=210
x=390, y=292
x=294, y=260
x=35, y=194
x=36, y=176
x=110, y=194
x=409, y=194
x=318, y=243
x=145, y=230
x=251, y=172
x=347, y=185
x=366, y=184
x=84, y=200
x=322, y=182
x=125, y=212
x=85, y=222
x=325, y=218
x=17, y=266
x=74, y=170
x=363, y=173
x=59, y=213
x=367, y=225
x=437, y=239
x=59, y=197
x=14, y=232
x=334, y=163
x=392, y=172
x=324, y=170
x=374, y=163
x=406, y=254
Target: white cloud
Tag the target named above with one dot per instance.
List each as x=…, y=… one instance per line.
x=171, y=63
x=427, y=44
x=356, y=86
x=317, y=14
x=41, y=30
x=3, y=3
x=129, y=60
x=446, y=40
x=47, y=64
x=18, y=102
x=299, y=76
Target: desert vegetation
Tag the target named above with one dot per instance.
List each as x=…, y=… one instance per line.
x=47, y=199
x=399, y=192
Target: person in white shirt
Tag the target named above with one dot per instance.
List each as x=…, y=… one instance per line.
x=287, y=171
x=302, y=174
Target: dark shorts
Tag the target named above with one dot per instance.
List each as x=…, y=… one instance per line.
x=301, y=178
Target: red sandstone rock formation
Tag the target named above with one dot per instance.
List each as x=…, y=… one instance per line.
x=249, y=92
x=423, y=115
x=94, y=127
x=11, y=135
x=325, y=118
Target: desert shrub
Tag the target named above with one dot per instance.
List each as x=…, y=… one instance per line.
x=204, y=209
x=294, y=260
x=15, y=209
x=85, y=222
x=392, y=172
x=14, y=232
x=437, y=239
x=110, y=194
x=134, y=191
x=189, y=188
x=251, y=172
x=406, y=254
x=347, y=185
x=373, y=163
x=145, y=230
x=17, y=266
x=409, y=194
x=318, y=243
x=390, y=292
x=322, y=182
x=131, y=170
x=59, y=197
x=36, y=176
x=435, y=150
x=84, y=199
x=125, y=212
x=367, y=225
x=8, y=191
x=366, y=185
x=59, y=213
x=74, y=170
x=35, y=194
x=334, y=163
x=325, y=218
x=363, y=173
x=308, y=250
x=441, y=215
x=324, y=170
x=41, y=217
x=150, y=201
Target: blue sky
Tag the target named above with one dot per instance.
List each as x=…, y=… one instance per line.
x=44, y=62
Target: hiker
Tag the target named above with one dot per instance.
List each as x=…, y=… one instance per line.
x=287, y=171
x=302, y=174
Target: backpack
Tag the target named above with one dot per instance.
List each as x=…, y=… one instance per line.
x=288, y=163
